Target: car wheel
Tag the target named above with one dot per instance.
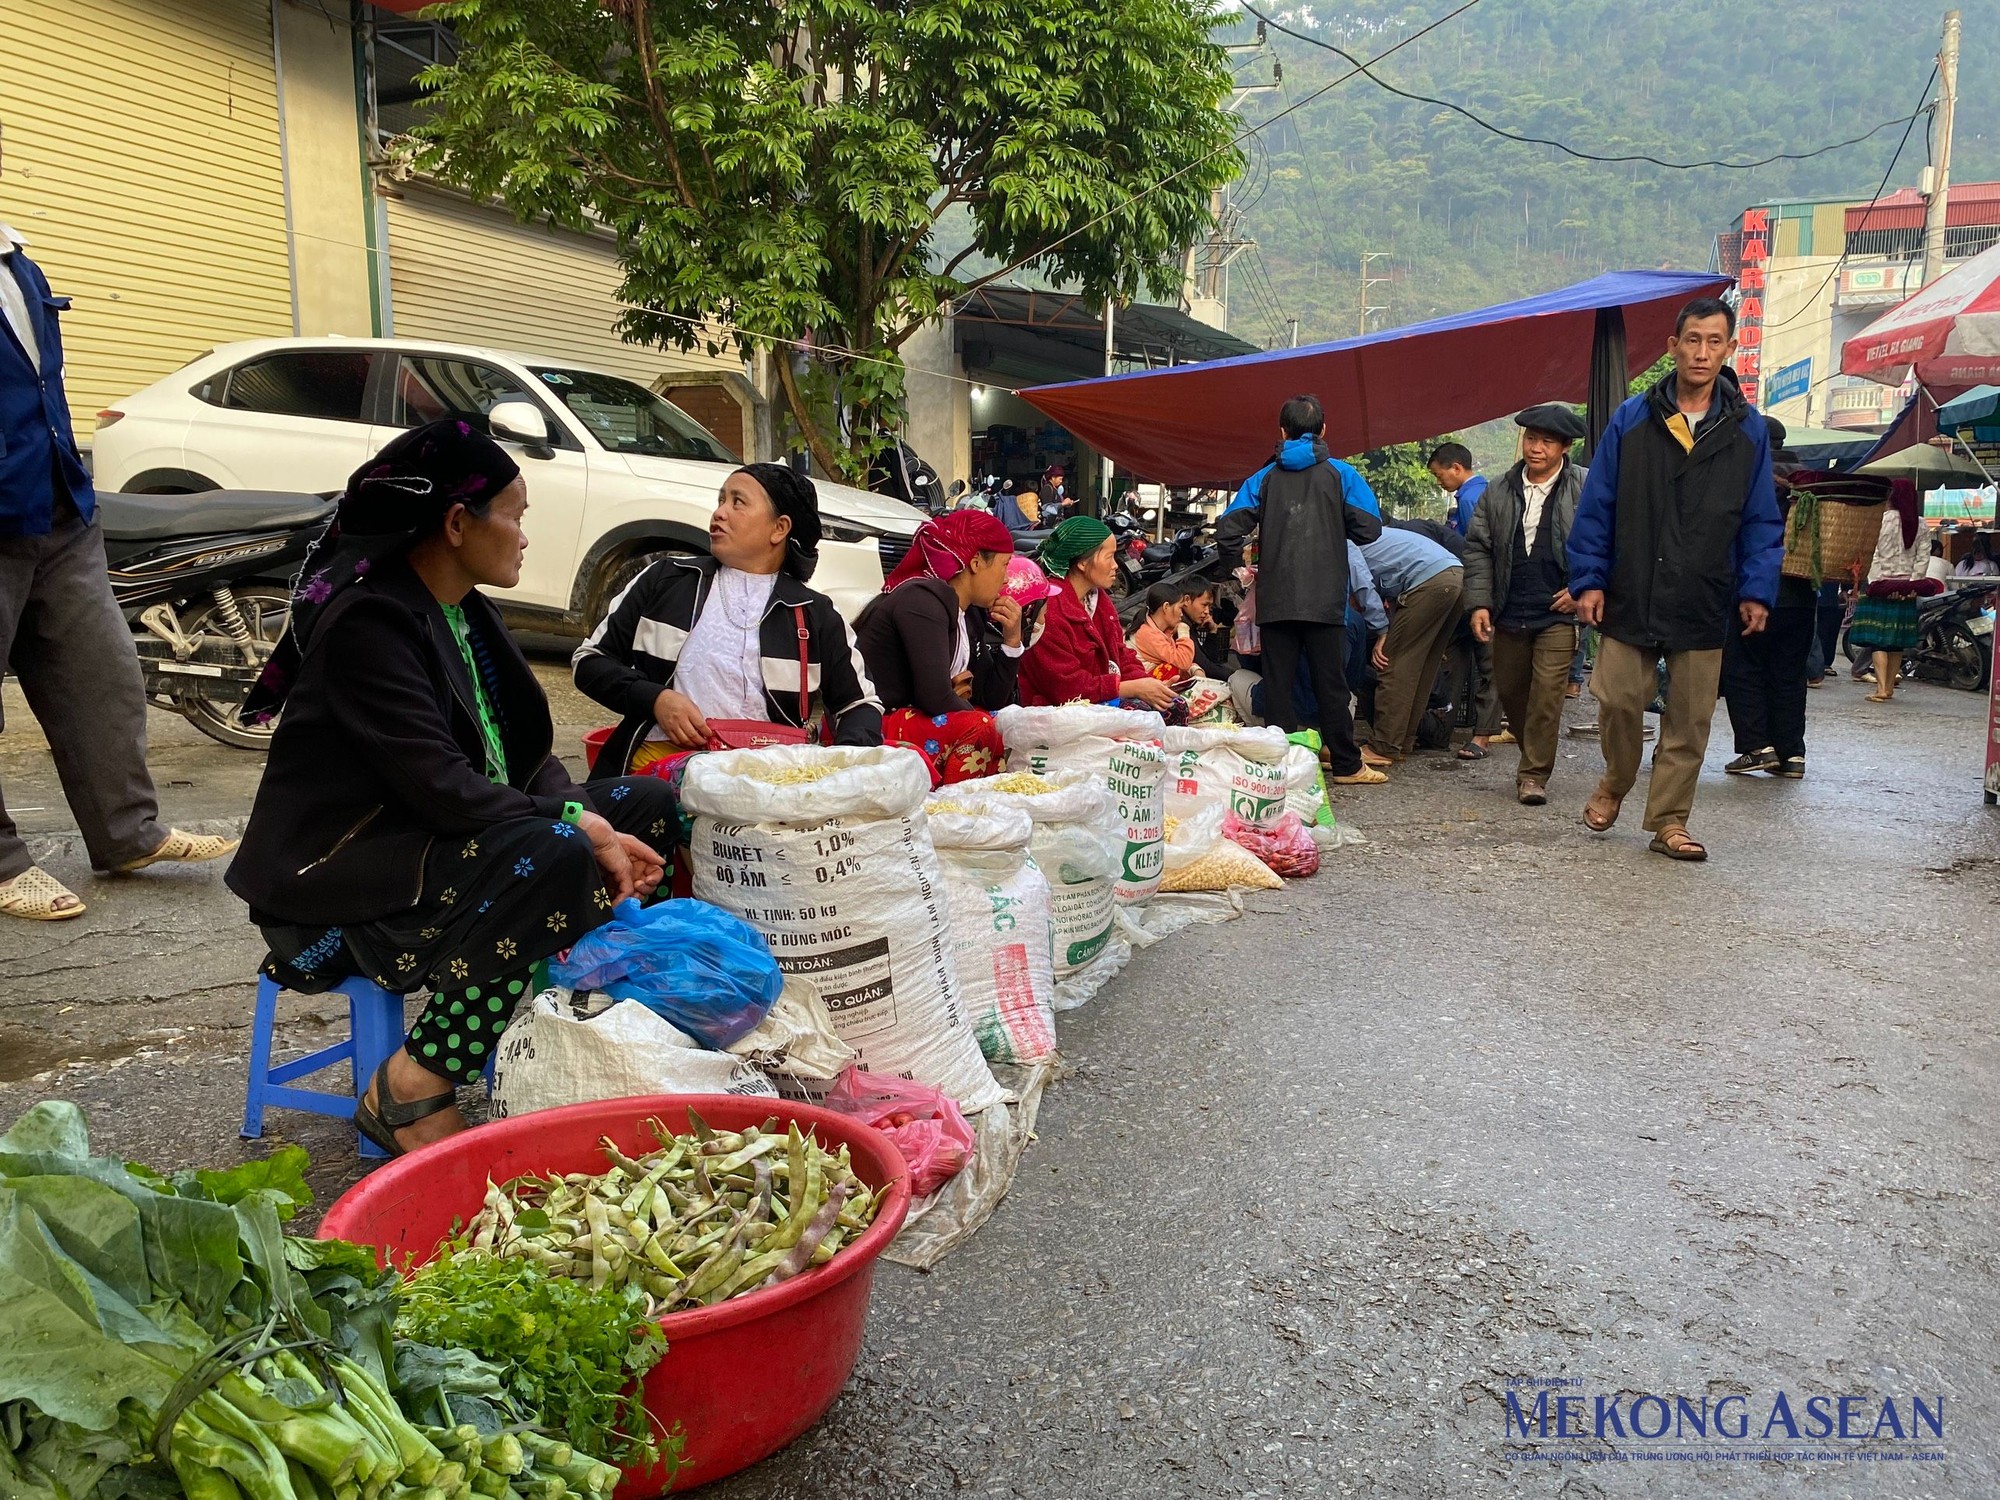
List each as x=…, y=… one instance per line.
x=617, y=572
x=194, y=484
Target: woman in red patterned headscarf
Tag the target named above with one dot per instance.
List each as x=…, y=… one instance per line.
x=943, y=645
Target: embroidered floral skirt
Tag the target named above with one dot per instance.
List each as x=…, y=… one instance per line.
x=492, y=903
x=960, y=747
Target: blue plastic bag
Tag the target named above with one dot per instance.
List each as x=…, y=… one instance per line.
x=708, y=973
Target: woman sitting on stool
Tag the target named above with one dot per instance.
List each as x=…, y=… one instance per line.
x=943, y=646
x=413, y=825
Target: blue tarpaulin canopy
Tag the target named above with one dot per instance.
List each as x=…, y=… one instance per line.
x=1976, y=405
x=1215, y=422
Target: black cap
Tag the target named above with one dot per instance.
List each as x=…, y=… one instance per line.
x=1554, y=418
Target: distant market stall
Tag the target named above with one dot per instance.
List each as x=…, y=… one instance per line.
x=1213, y=423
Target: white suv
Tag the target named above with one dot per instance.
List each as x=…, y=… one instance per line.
x=616, y=476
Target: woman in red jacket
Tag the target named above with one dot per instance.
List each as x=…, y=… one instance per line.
x=1079, y=651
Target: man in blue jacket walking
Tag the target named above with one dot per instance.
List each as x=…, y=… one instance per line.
x=60, y=629
x=1677, y=542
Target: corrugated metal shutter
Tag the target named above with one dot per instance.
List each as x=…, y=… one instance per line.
x=143, y=167
x=465, y=273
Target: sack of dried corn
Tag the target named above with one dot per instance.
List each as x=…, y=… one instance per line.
x=1120, y=745
x=1199, y=858
x=826, y=851
x=1078, y=844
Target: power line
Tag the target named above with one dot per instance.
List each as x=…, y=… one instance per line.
x=1132, y=199
x=1537, y=140
x=1880, y=188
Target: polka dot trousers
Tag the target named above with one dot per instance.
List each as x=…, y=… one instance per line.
x=459, y=1028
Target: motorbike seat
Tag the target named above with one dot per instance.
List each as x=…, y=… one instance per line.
x=145, y=518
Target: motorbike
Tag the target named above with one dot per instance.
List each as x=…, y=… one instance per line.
x=205, y=585
x=1954, y=638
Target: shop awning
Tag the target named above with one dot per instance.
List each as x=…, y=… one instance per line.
x=1976, y=405
x=1024, y=335
x=1214, y=423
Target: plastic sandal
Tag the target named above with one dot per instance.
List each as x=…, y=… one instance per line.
x=391, y=1115
x=37, y=896
x=1602, y=822
x=183, y=848
x=1471, y=751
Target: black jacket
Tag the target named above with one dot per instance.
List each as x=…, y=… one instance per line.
x=908, y=637
x=1299, y=508
x=379, y=753
x=1496, y=524
x=1675, y=536
x=632, y=655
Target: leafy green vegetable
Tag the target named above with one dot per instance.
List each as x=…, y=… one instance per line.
x=573, y=1354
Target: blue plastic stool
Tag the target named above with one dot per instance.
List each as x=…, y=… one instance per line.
x=375, y=1029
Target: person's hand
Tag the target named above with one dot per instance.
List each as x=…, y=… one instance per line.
x=1006, y=613
x=1482, y=625
x=1380, y=655
x=1590, y=607
x=1562, y=604
x=1148, y=690
x=961, y=684
x=1182, y=633
x=1755, y=616
x=630, y=867
x=679, y=720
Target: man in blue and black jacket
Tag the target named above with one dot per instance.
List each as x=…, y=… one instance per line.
x=1677, y=542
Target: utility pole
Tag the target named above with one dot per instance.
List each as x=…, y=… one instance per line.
x=1364, y=307
x=1103, y=459
x=1295, y=331
x=1940, y=185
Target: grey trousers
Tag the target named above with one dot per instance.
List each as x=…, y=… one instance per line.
x=62, y=635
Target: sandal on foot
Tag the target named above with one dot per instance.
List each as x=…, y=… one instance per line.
x=1601, y=811
x=1676, y=844
x=1366, y=776
x=1373, y=757
x=183, y=848
x=1504, y=737
x=1471, y=750
x=390, y=1115
x=37, y=896
x=1530, y=792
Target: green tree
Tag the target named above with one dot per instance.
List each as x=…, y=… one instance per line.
x=1402, y=481
x=782, y=167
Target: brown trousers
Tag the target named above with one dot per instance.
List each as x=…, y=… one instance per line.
x=1623, y=684
x=1419, y=631
x=1531, y=673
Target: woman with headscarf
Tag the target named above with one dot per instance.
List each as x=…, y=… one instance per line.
x=1885, y=617
x=943, y=645
x=735, y=634
x=413, y=825
x=1078, y=652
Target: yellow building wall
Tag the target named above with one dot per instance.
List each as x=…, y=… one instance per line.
x=142, y=165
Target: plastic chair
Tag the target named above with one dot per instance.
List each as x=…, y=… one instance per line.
x=375, y=1029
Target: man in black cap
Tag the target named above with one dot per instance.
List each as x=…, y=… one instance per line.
x=1517, y=586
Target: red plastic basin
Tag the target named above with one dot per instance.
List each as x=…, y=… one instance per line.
x=593, y=746
x=742, y=1378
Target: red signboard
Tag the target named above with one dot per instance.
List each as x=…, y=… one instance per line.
x=1749, y=363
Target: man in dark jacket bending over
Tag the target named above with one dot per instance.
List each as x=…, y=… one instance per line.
x=1305, y=508
x=1678, y=522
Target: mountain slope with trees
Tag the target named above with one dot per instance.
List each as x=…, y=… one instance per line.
x=1466, y=218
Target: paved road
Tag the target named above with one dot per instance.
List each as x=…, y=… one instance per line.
x=1490, y=1100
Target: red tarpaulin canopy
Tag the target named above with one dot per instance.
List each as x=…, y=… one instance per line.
x=1214, y=423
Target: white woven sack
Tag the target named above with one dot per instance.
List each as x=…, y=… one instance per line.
x=838, y=873
x=1002, y=927
x=1078, y=844
x=547, y=1058
x=1244, y=767
x=1122, y=746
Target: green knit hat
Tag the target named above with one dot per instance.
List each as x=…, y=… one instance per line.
x=1076, y=538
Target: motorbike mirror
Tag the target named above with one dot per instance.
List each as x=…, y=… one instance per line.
x=957, y=489
x=522, y=422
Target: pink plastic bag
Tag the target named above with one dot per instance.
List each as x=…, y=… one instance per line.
x=1288, y=848
x=927, y=1126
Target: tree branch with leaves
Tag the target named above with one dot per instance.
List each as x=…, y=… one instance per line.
x=781, y=170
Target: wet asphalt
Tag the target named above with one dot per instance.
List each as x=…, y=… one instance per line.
x=1491, y=1100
